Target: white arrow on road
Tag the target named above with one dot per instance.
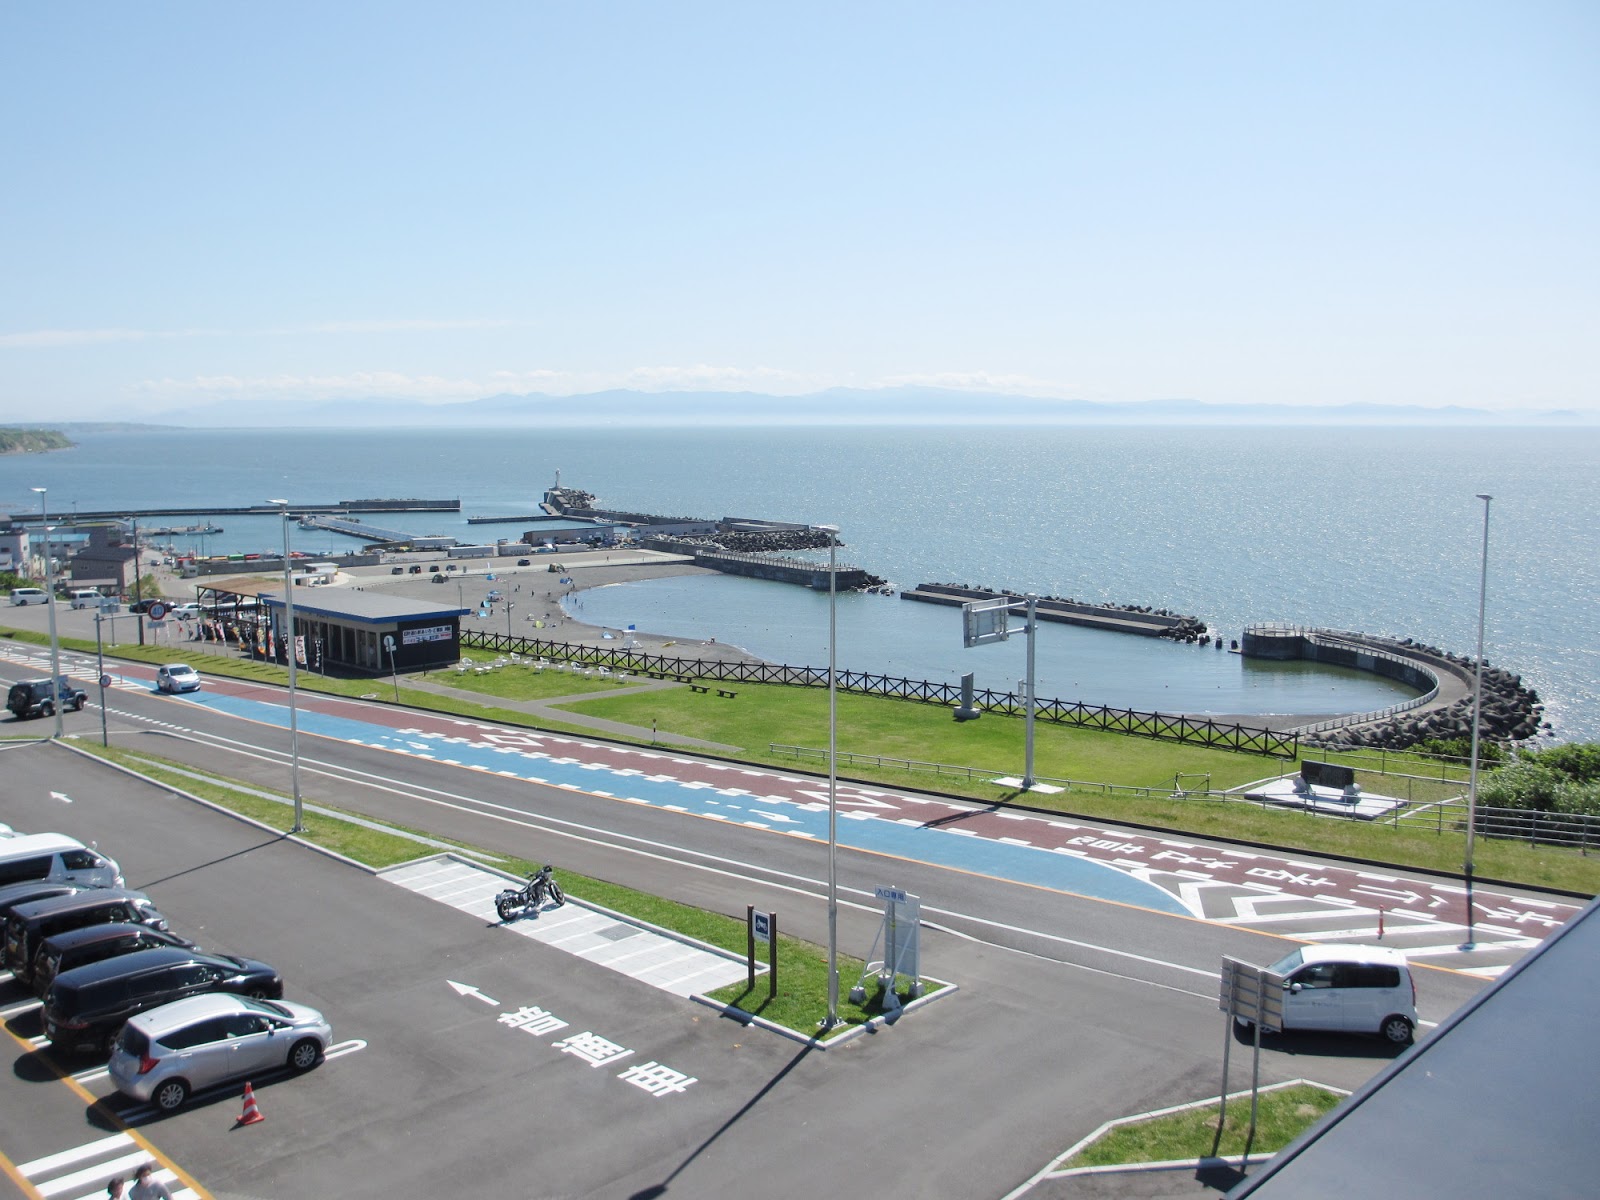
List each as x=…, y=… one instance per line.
x=1399, y=897
x=61, y=796
x=466, y=989
x=771, y=816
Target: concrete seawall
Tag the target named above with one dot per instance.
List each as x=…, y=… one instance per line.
x=1066, y=612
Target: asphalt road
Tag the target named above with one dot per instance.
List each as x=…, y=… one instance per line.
x=1070, y=1010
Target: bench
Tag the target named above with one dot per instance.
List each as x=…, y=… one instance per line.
x=698, y=687
x=727, y=693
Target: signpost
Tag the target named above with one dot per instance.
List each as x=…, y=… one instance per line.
x=761, y=927
x=1253, y=994
x=900, y=937
x=985, y=621
x=394, y=672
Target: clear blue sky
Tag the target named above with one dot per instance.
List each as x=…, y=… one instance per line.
x=273, y=204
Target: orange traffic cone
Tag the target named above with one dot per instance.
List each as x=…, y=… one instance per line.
x=252, y=1114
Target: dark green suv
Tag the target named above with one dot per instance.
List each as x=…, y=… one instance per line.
x=32, y=698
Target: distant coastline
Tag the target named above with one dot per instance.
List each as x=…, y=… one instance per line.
x=33, y=441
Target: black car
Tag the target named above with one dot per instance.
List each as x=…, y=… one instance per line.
x=29, y=924
x=86, y=1006
x=96, y=943
x=143, y=606
x=524, y=562
x=27, y=890
x=33, y=698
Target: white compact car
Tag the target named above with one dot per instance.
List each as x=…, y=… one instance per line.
x=1349, y=989
x=178, y=677
x=165, y=1055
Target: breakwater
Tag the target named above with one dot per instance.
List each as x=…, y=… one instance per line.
x=252, y=510
x=1161, y=726
x=1510, y=711
x=1145, y=622
x=766, y=566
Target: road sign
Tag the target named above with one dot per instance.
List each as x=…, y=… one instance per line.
x=984, y=621
x=898, y=895
x=158, y=611
x=763, y=927
x=105, y=681
x=1251, y=993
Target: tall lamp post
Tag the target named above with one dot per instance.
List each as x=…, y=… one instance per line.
x=1477, y=712
x=288, y=644
x=833, y=775
x=50, y=602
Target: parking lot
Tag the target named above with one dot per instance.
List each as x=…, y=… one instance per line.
x=466, y=1056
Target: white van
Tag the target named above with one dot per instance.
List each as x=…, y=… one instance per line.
x=87, y=598
x=55, y=857
x=1349, y=989
x=29, y=595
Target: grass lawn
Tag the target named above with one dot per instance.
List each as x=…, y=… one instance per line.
x=1120, y=766
x=1283, y=1114
x=802, y=1000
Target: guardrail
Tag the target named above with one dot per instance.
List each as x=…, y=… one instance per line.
x=1573, y=830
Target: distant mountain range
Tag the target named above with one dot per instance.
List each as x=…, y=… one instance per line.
x=843, y=406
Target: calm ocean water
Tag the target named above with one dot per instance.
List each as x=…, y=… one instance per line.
x=1366, y=529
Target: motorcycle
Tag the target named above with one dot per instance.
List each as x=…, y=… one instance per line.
x=530, y=897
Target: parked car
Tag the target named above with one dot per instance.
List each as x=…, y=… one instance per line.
x=165, y=1055
x=87, y=598
x=184, y=612
x=55, y=858
x=143, y=605
x=29, y=924
x=450, y=566
x=29, y=595
x=178, y=677
x=415, y=569
x=1349, y=989
x=86, y=1006
x=36, y=698
x=524, y=562
x=397, y=570
x=95, y=943
x=438, y=578
x=14, y=894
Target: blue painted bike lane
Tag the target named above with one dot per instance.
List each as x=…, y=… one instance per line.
x=797, y=813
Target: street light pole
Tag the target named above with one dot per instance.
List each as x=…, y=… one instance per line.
x=100, y=664
x=288, y=646
x=833, y=775
x=1027, y=756
x=1477, y=712
x=50, y=602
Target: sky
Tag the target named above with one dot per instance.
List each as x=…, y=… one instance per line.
x=249, y=208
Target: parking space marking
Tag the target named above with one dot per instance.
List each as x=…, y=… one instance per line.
x=663, y=962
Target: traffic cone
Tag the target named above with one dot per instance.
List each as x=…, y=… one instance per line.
x=252, y=1114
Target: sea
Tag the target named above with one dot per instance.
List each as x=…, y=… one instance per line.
x=1376, y=530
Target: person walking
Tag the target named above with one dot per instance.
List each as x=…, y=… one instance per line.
x=114, y=1187
x=146, y=1188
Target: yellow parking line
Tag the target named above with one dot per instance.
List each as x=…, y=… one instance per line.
x=89, y=1098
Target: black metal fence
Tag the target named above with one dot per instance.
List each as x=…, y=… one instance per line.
x=1162, y=726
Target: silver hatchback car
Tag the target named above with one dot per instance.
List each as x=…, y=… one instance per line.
x=164, y=1055
x=178, y=677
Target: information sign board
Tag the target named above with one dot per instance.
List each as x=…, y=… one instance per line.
x=984, y=621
